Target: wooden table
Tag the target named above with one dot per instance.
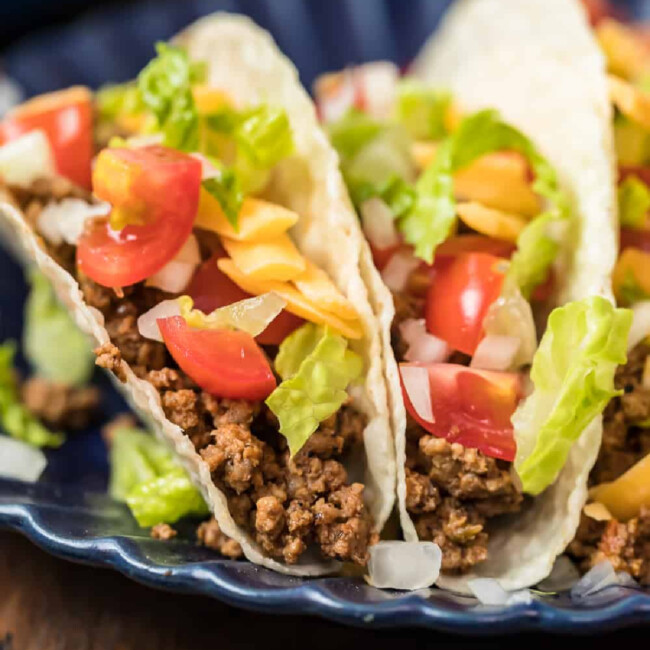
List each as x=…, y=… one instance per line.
x=49, y=604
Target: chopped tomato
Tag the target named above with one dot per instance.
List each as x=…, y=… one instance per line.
x=381, y=256
x=459, y=297
x=66, y=118
x=642, y=172
x=225, y=363
x=156, y=186
x=471, y=407
x=210, y=289
x=633, y=238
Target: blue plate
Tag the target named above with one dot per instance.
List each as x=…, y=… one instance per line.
x=67, y=512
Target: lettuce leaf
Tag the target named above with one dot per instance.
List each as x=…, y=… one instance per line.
x=353, y=132
x=145, y=475
x=316, y=367
x=118, y=100
x=227, y=190
x=53, y=344
x=573, y=374
x=633, y=202
x=15, y=419
x=430, y=222
x=396, y=193
x=165, y=88
x=265, y=136
x=422, y=109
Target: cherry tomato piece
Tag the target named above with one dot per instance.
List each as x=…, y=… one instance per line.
x=471, y=407
x=211, y=289
x=156, y=185
x=66, y=117
x=459, y=297
x=633, y=238
x=225, y=363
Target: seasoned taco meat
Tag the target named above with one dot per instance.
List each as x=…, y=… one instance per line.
x=60, y=406
x=626, y=440
x=625, y=544
x=451, y=491
x=209, y=535
x=285, y=504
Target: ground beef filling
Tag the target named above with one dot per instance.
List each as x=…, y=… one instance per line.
x=60, y=406
x=451, y=491
x=626, y=439
x=285, y=504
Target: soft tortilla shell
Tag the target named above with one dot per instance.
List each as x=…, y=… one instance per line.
x=537, y=63
x=244, y=60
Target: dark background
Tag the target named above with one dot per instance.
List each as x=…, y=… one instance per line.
x=48, y=604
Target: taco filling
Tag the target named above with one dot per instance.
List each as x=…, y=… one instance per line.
x=163, y=213
x=469, y=228
x=615, y=525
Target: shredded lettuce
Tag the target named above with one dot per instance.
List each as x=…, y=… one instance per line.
x=165, y=87
x=316, y=367
x=227, y=190
x=261, y=136
x=633, y=202
x=430, y=222
x=15, y=419
x=118, y=100
x=264, y=134
x=396, y=193
x=145, y=476
x=573, y=374
x=422, y=109
x=353, y=132
x=53, y=344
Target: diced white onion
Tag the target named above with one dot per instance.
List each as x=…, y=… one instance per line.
x=404, y=565
x=496, y=352
x=423, y=346
x=21, y=461
x=563, y=576
x=379, y=82
x=489, y=592
x=251, y=315
x=511, y=315
x=626, y=580
x=379, y=223
x=400, y=266
x=147, y=322
x=177, y=273
x=27, y=158
x=65, y=221
x=596, y=579
x=416, y=384
x=640, y=323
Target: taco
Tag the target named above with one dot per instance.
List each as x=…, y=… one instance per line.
x=196, y=226
x=473, y=178
x=615, y=525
